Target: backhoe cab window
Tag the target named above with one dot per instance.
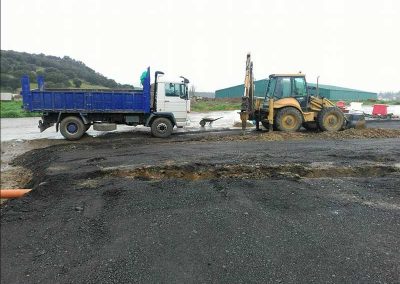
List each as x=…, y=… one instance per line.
x=271, y=88
x=175, y=90
x=299, y=87
x=280, y=87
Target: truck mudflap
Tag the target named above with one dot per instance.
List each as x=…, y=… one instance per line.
x=44, y=125
x=355, y=120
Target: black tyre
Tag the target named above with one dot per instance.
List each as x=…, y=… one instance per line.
x=311, y=126
x=202, y=123
x=288, y=119
x=161, y=127
x=72, y=128
x=330, y=119
x=265, y=124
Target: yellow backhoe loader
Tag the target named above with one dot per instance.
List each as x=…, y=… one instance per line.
x=288, y=105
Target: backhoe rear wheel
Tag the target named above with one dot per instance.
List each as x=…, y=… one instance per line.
x=288, y=119
x=330, y=119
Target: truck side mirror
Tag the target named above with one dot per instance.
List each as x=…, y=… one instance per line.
x=185, y=80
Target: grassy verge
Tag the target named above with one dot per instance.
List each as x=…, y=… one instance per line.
x=234, y=104
x=372, y=102
x=11, y=109
x=395, y=102
x=215, y=105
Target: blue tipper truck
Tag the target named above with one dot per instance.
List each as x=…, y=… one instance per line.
x=160, y=106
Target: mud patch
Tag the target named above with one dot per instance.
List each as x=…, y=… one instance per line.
x=290, y=171
x=15, y=177
x=281, y=136
x=239, y=124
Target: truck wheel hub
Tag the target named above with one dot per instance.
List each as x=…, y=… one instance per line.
x=72, y=127
x=162, y=127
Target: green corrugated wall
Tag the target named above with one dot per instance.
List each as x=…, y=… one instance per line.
x=260, y=87
x=330, y=92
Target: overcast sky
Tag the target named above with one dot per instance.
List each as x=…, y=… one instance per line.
x=349, y=43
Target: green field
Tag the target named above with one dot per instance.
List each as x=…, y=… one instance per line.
x=397, y=102
x=215, y=105
x=11, y=109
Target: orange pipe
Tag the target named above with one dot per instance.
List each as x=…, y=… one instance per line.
x=13, y=193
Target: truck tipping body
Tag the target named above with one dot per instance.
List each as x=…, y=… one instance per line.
x=85, y=100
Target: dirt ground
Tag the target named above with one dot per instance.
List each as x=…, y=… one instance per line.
x=206, y=207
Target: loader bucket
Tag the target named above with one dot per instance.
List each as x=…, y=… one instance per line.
x=355, y=120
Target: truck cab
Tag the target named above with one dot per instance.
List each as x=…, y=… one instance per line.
x=173, y=97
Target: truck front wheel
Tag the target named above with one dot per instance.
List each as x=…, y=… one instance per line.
x=161, y=127
x=72, y=128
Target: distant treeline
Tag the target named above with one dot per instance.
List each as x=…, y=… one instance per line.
x=58, y=72
x=389, y=95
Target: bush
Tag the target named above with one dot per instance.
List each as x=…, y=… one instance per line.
x=11, y=109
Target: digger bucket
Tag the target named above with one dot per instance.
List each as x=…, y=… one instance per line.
x=355, y=120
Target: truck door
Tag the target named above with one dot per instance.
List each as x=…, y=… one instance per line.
x=176, y=101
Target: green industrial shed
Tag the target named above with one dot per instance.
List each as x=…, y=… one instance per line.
x=330, y=92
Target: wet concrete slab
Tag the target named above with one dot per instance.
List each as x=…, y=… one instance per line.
x=27, y=128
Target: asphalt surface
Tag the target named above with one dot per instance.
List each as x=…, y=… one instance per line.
x=312, y=211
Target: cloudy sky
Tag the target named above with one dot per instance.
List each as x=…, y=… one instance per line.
x=350, y=43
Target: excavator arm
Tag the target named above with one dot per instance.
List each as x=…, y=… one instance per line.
x=247, y=106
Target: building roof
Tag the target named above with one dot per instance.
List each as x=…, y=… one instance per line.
x=336, y=88
x=287, y=75
x=321, y=86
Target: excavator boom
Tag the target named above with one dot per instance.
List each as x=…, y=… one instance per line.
x=247, y=107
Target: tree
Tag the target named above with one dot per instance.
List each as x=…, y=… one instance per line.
x=77, y=83
x=58, y=72
x=192, y=91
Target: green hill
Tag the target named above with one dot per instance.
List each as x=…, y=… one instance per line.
x=58, y=72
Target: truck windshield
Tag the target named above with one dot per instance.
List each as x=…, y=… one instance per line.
x=175, y=90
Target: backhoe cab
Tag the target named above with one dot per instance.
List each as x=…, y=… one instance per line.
x=287, y=105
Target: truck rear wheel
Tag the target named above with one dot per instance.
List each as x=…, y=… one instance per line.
x=72, y=128
x=288, y=119
x=161, y=127
x=330, y=119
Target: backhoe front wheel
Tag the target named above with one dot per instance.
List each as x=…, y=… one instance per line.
x=288, y=119
x=330, y=119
